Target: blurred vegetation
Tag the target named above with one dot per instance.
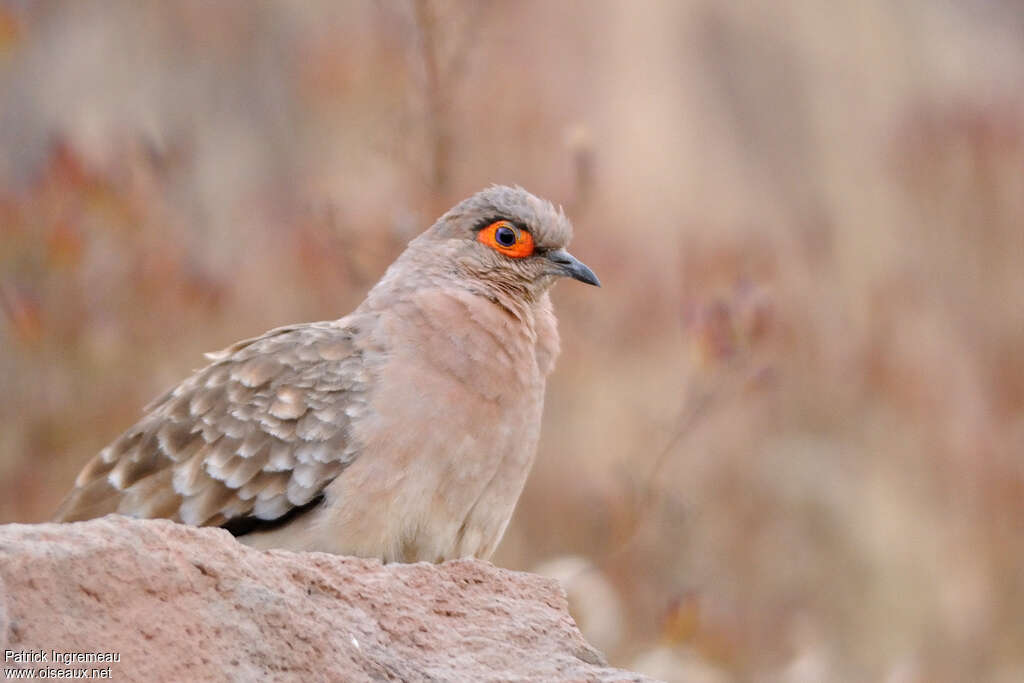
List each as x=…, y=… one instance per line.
x=786, y=435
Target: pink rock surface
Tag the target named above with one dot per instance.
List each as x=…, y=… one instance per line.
x=177, y=603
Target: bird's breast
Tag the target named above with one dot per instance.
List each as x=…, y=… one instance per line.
x=451, y=434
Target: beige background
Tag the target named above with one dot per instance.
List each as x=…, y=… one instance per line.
x=787, y=432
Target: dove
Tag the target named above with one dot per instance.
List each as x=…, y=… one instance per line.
x=403, y=431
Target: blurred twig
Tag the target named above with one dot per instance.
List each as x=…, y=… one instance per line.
x=724, y=336
x=443, y=47
x=580, y=145
x=698, y=406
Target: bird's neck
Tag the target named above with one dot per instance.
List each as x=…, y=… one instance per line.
x=529, y=319
x=397, y=285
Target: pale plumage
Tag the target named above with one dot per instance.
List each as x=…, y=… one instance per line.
x=403, y=431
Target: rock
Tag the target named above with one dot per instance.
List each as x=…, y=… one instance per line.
x=175, y=603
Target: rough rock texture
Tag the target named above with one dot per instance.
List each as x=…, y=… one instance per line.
x=182, y=603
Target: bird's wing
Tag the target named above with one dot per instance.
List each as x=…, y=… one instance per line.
x=256, y=434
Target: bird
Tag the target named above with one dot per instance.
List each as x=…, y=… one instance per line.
x=403, y=431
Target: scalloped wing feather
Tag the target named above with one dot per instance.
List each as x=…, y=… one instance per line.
x=261, y=430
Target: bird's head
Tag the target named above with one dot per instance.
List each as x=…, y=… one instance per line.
x=506, y=240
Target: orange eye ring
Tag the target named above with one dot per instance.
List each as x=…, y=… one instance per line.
x=504, y=237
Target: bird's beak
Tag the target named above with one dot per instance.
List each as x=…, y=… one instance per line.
x=572, y=267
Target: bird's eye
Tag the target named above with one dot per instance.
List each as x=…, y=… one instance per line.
x=506, y=238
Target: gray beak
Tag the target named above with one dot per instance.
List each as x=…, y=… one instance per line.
x=572, y=267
